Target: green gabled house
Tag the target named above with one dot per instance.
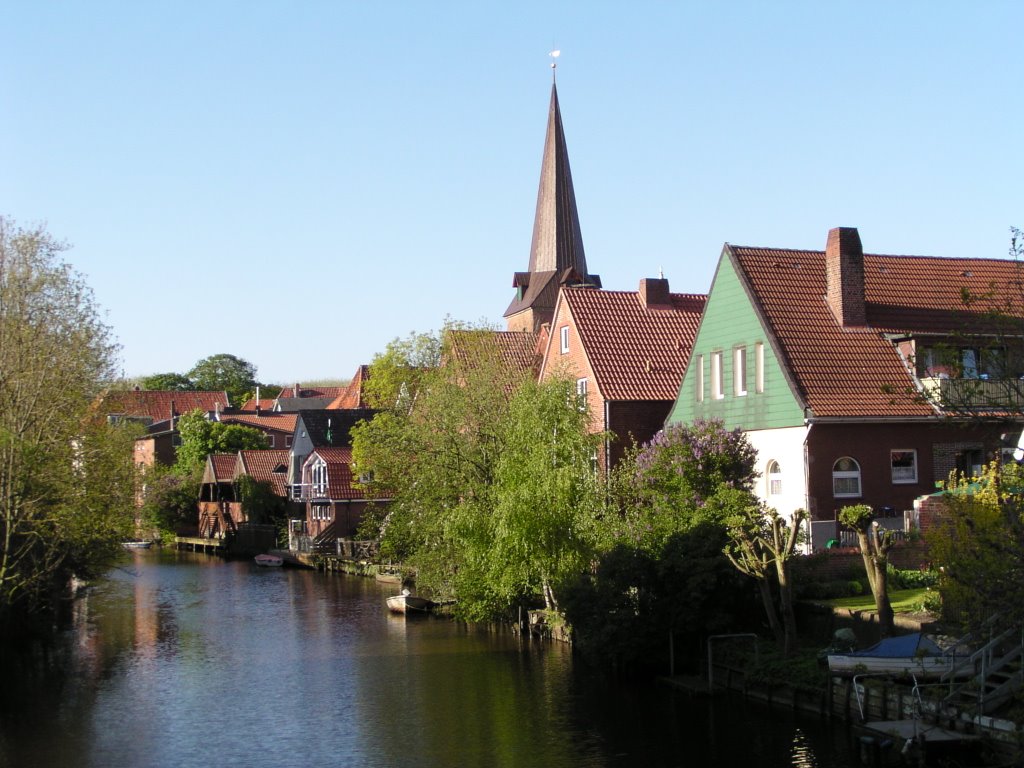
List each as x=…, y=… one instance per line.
x=858, y=378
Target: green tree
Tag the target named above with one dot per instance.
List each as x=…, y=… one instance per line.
x=762, y=545
x=536, y=531
x=434, y=451
x=65, y=480
x=225, y=372
x=173, y=382
x=875, y=544
x=979, y=546
x=201, y=437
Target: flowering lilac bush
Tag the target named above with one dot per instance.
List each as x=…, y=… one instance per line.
x=684, y=464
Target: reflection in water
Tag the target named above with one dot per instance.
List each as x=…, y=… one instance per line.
x=184, y=660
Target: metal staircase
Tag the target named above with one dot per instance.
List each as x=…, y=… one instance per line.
x=998, y=673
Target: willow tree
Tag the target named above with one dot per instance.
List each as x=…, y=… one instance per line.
x=546, y=496
x=65, y=477
x=433, y=447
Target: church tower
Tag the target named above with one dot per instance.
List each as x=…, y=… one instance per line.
x=556, y=253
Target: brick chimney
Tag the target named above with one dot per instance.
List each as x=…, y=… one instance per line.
x=654, y=293
x=844, y=276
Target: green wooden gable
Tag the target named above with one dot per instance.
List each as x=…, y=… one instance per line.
x=732, y=331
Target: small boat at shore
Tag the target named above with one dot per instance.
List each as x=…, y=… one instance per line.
x=902, y=656
x=137, y=544
x=269, y=561
x=408, y=603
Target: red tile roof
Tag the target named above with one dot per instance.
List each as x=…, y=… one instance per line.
x=263, y=403
x=282, y=422
x=223, y=465
x=260, y=466
x=636, y=353
x=339, y=473
x=515, y=349
x=855, y=371
x=157, y=404
x=352, y=397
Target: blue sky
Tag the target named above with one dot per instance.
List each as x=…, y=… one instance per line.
x=299, y=183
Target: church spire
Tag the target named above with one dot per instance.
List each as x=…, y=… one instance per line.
x=556, y=253
x=557, y=243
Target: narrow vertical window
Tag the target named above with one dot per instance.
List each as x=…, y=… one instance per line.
x=739, y=371
x=699, y=386
x=759, y=367
x=717, y=384
x=774, y=478
x=581, y=394
x=563, y=336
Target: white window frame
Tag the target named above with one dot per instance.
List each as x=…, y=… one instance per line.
x=773, y=474
x=844, y=476
x=759, y=367
x=318, y=485
x=739, y=371
x=563, y=339
x=699, y=386
x=901, y=475
x=717, y=383
x=270, y=441
x=581, y=394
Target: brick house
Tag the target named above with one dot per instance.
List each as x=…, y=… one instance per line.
x=278, y=427
x=627, y=351
x=334, y=503
x=844, y=369
x=220, y=507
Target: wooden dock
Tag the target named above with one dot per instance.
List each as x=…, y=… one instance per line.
x=200, y=544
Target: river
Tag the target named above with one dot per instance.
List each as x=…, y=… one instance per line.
x=183, y=660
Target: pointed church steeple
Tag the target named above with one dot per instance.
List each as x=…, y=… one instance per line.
x=556, y=251
x=557, y=243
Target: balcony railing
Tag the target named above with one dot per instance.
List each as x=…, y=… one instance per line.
x=974, y=394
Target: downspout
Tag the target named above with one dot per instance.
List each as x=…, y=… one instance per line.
x=607, y=440
x=807, y=482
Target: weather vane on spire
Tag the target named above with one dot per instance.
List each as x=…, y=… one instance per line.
x=554, y=62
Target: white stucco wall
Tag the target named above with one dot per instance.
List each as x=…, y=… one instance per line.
x=786, y=446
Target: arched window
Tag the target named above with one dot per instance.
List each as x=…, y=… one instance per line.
x=774, y=474
x=846, y=478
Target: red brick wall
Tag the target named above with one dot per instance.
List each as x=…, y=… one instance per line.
x=870, y=445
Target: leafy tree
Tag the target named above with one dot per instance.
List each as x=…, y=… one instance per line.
x=761, y=545
x=225, y=372
x=170, y=498
x=536, y=532
x=979, y=546
x=65, y=481
x=874, y=549
x=444, y=450
x=260, y=503
x=201, y=437
x=173, y=382
x=401, y=370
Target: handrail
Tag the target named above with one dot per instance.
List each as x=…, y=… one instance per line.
x=711, y=666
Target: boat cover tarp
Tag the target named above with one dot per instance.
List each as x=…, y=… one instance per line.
x=902, y=647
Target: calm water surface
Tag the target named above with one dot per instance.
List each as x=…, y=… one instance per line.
x=185, y=660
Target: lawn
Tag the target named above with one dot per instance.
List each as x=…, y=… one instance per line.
x=903, y=600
